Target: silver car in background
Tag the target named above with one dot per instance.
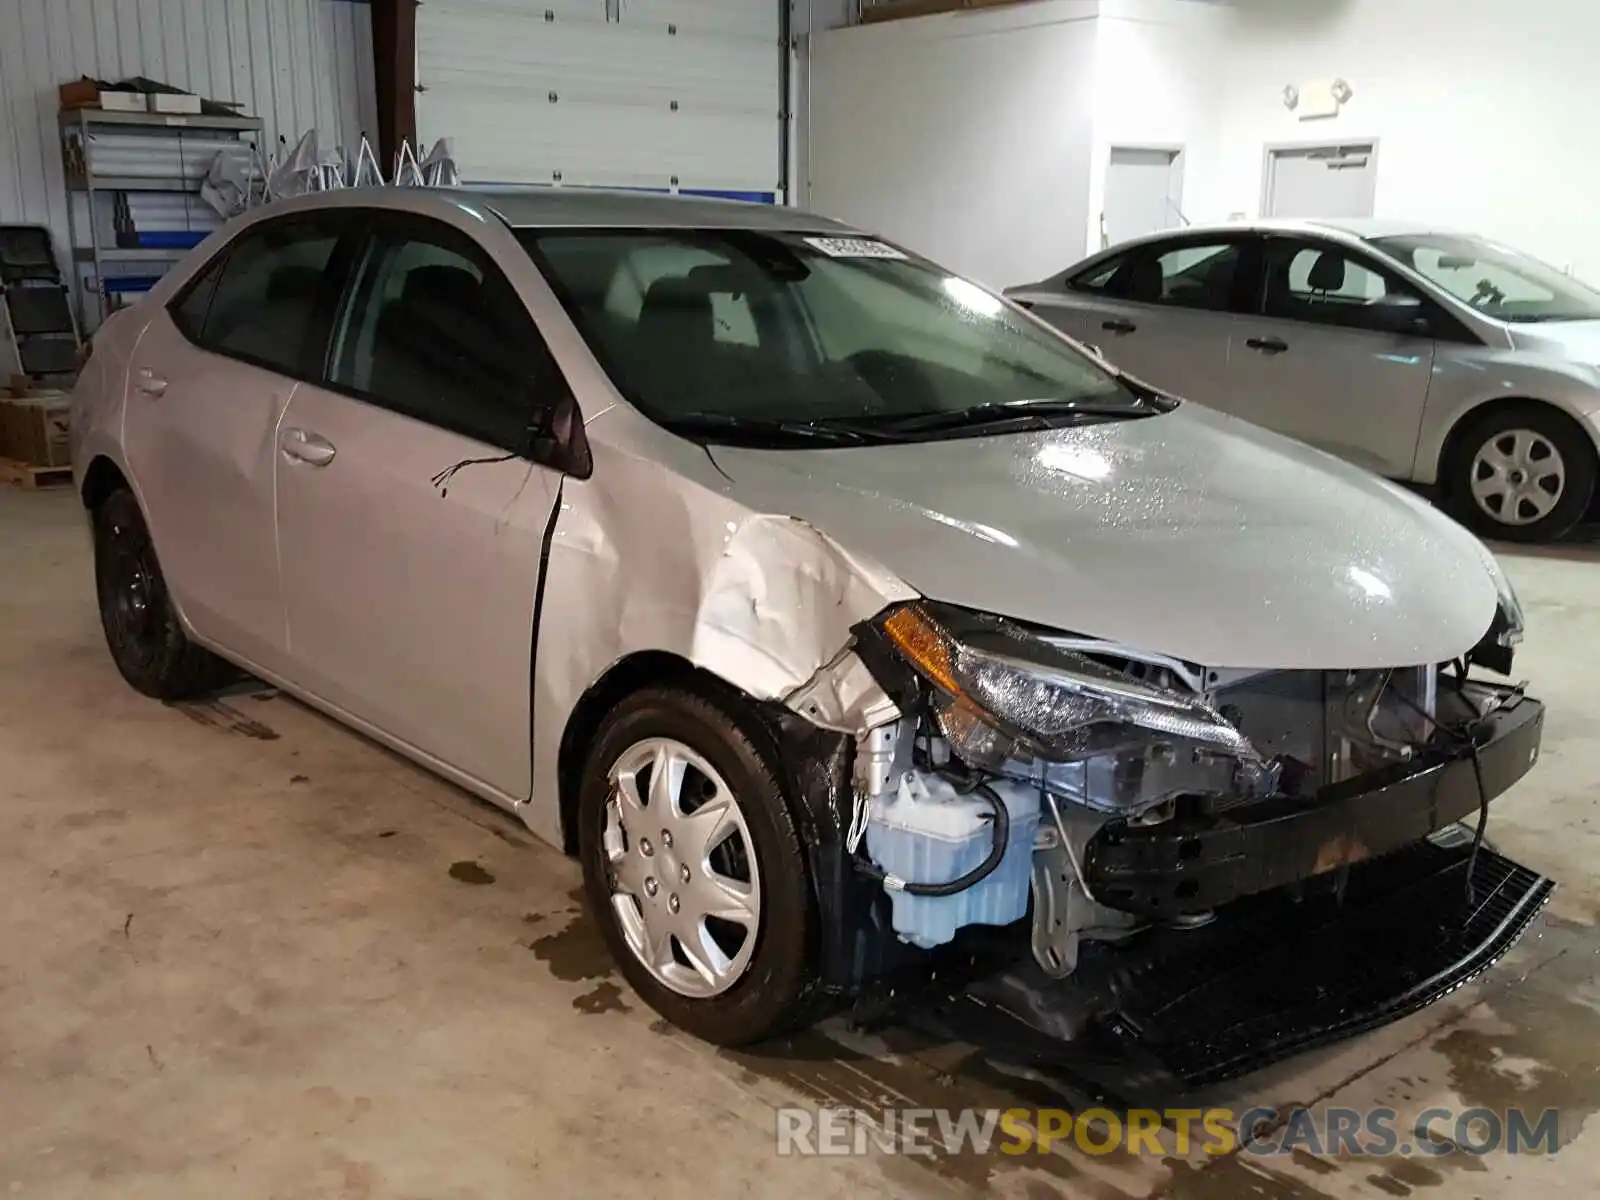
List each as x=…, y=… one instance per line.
x=1436, y=358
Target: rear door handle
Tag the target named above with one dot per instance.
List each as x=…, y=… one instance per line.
x=1118, y=326
x=1267, y=346
x=304, y=446
x=148, y=382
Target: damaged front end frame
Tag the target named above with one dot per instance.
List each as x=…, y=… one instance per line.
x=1102, y=871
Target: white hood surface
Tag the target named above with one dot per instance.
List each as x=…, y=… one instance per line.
x=1190, y=534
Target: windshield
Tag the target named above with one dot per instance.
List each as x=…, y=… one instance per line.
x=708, y=330
x=1496, y=280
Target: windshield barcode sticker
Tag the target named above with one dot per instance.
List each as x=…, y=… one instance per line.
x=853, y=248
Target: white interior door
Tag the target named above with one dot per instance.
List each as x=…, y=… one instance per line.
x=668, y=94
x=1144, y=193
x=1322, y=181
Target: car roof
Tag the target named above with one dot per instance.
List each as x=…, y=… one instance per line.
x=534, y=206
x=1362, y=228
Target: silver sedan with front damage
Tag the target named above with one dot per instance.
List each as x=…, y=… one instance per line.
x=1443, y=359
x=833, y=610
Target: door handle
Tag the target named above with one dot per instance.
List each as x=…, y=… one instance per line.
x=1267, y=346
x=304, y=446
x=148, y=382
x=1118, y=326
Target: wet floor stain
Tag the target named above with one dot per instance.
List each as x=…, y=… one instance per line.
x=604, y=997
x=1235, y=1178
x=575, y=954
x=218, y=714
x=1548, y=1057
x=828, y=1074
x=470, y=872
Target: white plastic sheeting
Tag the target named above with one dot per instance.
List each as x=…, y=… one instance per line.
x=296, y=64
x=665, y=93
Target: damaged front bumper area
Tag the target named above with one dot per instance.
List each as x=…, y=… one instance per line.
x=1200, y=862
x=1053, y=830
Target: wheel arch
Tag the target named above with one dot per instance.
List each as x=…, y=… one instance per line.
x=102, y=477
x=1478, y=413
x=633, y=673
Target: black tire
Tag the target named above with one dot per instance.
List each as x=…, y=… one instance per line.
x=142, y=630
x=777, y=991
x=1561, y=431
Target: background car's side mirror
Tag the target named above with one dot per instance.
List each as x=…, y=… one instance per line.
x=1403, y=314
x=557, y=438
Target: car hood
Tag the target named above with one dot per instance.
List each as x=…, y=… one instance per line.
x=1190, y=534
x=1577, y=340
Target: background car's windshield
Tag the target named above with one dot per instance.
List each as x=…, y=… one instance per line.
x=1495, y=279
x=761, y=327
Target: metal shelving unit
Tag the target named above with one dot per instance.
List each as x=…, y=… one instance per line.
x=125, y=170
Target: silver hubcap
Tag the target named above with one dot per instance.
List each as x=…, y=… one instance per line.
x=684, y=883
x=1518, y=477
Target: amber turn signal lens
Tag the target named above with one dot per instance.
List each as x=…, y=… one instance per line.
x=924, y=645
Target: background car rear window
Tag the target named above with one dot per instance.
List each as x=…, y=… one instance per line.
x=262, y=305
x=436, y=332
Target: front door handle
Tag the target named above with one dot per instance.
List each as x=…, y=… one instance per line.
x=1118, y=326
x=304, y=446
x=148, y=382
x=1267, y=346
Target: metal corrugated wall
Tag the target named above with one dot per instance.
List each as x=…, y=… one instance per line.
x=293, y=63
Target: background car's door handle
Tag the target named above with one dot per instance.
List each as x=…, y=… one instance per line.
x=1267, y=346
x=148, y=382
x=1118, y=326
x=307, y=447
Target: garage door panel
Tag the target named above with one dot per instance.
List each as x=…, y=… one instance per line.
x=751, y=19
x=488, y=70
x=602, y=146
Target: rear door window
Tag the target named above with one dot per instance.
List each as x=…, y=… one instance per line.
x=261, y=305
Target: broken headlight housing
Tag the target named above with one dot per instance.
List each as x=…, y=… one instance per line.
x=1499, y=644
x=1011, y=703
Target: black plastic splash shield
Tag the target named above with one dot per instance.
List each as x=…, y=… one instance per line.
x=1272, y=977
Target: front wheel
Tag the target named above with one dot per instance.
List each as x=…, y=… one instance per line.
x=694, y=869
x=1523, y=473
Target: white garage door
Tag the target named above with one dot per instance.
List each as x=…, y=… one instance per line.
x=669, y=94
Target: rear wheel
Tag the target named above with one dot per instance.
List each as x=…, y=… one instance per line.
x=141, y=626
x=694, y=869
x=1522, y=473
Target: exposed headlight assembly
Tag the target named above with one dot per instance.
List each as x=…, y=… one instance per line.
x=1007, y=701
x=1505, y=633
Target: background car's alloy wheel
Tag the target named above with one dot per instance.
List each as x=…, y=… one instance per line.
x=687, y=889
x=1522, y=473
x=141, y=626
x=694, y=868
x=1518, y=477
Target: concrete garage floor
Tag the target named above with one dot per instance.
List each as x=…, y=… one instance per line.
x=247, y=953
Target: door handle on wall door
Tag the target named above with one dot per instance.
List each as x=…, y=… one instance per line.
x=1267, y=346
x=304, y=446
x=1119, y=326
x=148, y=382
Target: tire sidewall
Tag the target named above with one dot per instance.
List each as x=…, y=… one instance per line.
x=1578, y=456
x=147, y=672
x=781, y=968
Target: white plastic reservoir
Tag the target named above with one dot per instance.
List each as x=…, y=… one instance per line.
x=928, y=832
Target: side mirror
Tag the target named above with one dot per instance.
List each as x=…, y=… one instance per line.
x=557, y=438
x=1402, y=314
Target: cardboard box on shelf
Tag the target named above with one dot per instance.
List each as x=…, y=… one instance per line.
x=36, y=430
